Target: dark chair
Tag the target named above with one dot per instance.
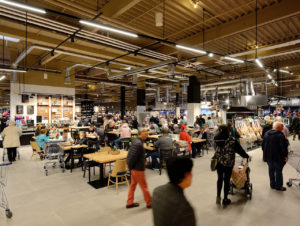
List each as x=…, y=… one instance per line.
x=88, y=164
x=164, y=155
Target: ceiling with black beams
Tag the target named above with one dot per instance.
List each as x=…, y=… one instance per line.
x=224, y=28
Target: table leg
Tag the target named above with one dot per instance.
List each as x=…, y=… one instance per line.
x=102, y=182
x=72, y=159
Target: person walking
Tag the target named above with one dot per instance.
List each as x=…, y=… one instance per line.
x=11, y=136
x=296, y=127
x=275, y=153
x=136, y=165
x=226, y=147
x=169, y=204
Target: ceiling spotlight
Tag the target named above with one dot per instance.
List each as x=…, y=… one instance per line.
x=191, y=49
x=269, y=76
x=23, y=6
x=2, y=77
x=210, y=54
x=258, y=62
x=107, y=28
x=274, y=70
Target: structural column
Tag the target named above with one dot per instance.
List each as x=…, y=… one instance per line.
x=177, y=102
x=140, y=100
x=122, y=102
x=194, y=99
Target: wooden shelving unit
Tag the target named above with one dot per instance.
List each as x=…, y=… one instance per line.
x=56, y=108
x=43, y=107
x=68, y=104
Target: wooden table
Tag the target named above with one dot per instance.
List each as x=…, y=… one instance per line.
x=103, y=157
x=134, y=132
x=116, y=132
x=91, y=137
x=154, y=136
x=198, y=140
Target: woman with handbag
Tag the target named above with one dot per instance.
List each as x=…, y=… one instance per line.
x=226, y=147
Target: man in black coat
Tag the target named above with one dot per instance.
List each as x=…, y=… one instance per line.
x=170, y=207
x=136, y=165
x=275, y=153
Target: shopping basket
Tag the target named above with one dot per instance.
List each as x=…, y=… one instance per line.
x=3, y=180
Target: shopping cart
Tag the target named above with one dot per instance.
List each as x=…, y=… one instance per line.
x=54, y=153
x=295, y=181
x=3, y=180
x=240, y=178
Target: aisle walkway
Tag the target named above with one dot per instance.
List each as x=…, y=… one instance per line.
x=66, y=198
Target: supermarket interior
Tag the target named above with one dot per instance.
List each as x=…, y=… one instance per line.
x=149, y=112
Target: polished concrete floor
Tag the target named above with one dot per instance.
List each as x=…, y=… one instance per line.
x=67, y=199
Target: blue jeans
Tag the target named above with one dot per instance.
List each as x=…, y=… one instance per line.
x=275, y=174
x=119, y=140
x=154, y=156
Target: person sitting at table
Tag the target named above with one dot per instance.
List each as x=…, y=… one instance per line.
x=42, y=138
x=125, y=134
x=153, y=127
x=91, y=131
x=82, y=139
x=135, y=123
x=170, y=126
x=38, y=130
x=54, y=132
x=164, y=143
x=199, y=146
x=66, y=136
x=176, y=129
x=101, y=134
x=183, y=135
x=110, y=137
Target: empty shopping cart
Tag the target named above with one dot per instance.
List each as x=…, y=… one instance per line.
x=3, y=180
x=54, y=155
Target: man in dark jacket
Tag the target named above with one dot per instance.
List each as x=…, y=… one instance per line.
x=169, y=204
x=275, y=153
x=136, y=165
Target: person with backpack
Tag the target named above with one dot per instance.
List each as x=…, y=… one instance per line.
x=226, y=147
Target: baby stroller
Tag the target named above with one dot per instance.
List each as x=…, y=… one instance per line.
x=54, y=153
x=240, y=179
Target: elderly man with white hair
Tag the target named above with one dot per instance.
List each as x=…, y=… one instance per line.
x=11, y=136
x=275, y=153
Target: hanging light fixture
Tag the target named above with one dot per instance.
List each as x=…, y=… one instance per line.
x=107, y=28
x=191, y=49
x=23, y=6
